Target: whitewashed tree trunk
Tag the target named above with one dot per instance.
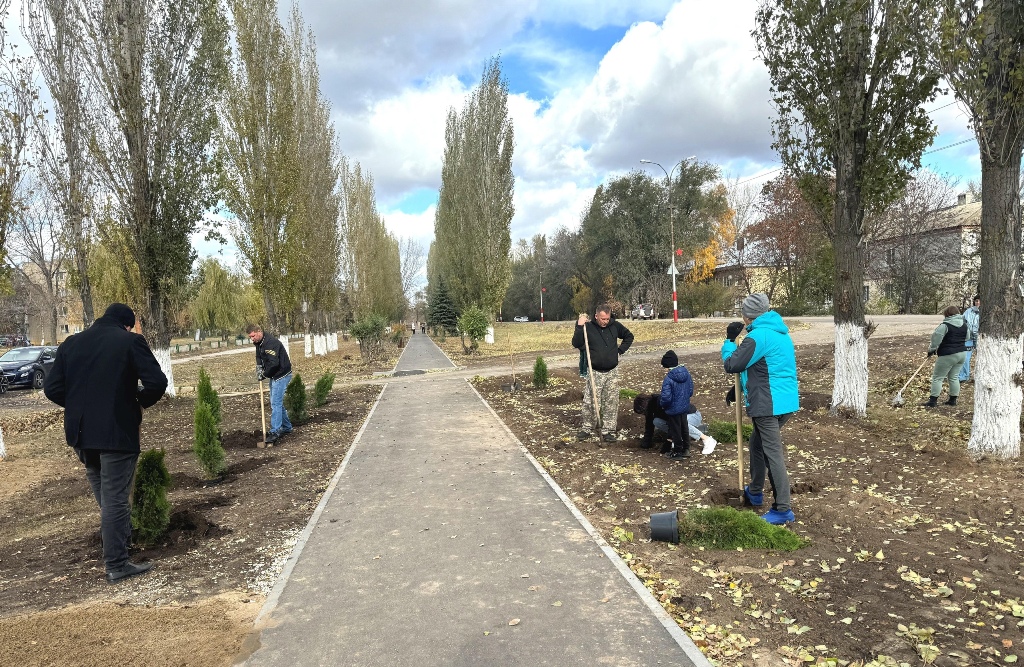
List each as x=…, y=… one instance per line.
x=308, y=348
x=332, y=342
x=3, y=449
x=850, y=390
x=319, y=345
x=995, y=430
x=163, y=357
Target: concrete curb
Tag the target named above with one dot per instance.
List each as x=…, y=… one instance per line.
x=677, y=633
x=300, y=542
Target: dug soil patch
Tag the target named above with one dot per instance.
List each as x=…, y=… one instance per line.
x=915, y=549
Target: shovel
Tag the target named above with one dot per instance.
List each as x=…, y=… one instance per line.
x=897, y=400
x=263, y=417
x=593, y=386
x=739, y=438
x=515, y=386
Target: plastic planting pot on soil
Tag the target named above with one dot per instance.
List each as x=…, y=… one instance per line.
x=665, y=527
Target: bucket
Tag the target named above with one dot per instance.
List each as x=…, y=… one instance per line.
x=665, y=527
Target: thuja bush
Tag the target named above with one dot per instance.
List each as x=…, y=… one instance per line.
x=322, y=388
x=295, y=400
x=205, y=393
x=729, y=528
x=724, y=431
x=206, y=442
x=540, y=373
x=151, y=513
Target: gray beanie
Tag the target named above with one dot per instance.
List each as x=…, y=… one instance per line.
x=754, y=305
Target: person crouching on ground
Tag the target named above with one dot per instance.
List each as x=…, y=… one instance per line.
x=768, y=357
x=272, y=362
x=603, y=336
x=948, y=343
x=676, y=392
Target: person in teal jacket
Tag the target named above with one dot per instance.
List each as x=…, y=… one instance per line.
x=768, y=357
x=728, y=347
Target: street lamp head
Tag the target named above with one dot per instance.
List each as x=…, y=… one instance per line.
x=646, y=162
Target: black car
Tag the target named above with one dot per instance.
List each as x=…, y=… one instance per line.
x=26, y=366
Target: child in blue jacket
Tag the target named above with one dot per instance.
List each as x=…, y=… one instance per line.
x=676, y=392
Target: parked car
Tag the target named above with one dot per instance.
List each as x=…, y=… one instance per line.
x=521, y=318
x=642, y=311
x=27, y=366
x=13, y=340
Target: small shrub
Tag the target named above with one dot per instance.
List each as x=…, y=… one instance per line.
x=369, y=331
x=724, y=431
x=295, y=400
x=151, y=512
x=626, y=394
x=473, y=323
x=540, y=373
x=322, y=388
x=206, y=442
x=729, y=528
x=205, y=393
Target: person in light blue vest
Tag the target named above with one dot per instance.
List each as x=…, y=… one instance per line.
x=972, y=316
x=768, y=357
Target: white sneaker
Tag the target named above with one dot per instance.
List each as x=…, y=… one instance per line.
x=709, y=446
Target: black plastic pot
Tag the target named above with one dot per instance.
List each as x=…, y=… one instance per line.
x=665, y=527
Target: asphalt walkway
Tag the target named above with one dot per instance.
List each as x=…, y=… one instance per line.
x=439, y=542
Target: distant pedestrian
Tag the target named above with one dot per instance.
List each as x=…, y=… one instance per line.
x=972, y=316
x=423, y=327
x=603, y=336
x=95, y=378
x=948, y=345
x=768, y=357
x=272, y=363
x=676, y=392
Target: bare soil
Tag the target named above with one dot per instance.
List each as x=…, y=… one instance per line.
x=915, y=549
x=225, y=547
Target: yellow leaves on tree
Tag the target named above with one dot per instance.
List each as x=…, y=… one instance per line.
x=706, y=259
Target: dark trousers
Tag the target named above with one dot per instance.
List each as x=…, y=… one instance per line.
x=676, y=433
x=110, y=475
x=766, y=454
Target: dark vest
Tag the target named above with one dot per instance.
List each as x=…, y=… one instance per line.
x=953, y=341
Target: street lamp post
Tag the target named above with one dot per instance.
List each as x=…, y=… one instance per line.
x=672, y=229
x=542, y=297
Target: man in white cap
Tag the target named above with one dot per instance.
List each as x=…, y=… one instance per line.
x=768, y=357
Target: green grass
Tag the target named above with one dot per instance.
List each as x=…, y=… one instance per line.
x=729, y=528
x=724, y=431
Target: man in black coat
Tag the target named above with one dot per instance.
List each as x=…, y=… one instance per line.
x=272, y=362
x=603, y=336
x=95, y=378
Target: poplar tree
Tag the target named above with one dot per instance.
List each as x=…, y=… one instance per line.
x=372, y=265
x=158, y=69
x=51, y=29
x=849, y=79
x=258, y=140
x=312, y=232
x=472, y=226
x=982, y=57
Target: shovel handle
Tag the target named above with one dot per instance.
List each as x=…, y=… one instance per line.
x=913, y=376
x=263, y=413
x=739, y=434
x=590, y=376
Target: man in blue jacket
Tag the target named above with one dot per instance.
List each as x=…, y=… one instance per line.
x=768, y=357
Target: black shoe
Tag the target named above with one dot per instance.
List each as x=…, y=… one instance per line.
x=583, y=435
x=952, y=400
x=666, y=447
x=680, y=454
x=272, y=438
x=609, y=437
x=127, y=570
x=933, y=402
x=645, y=443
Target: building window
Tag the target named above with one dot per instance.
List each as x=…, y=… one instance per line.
x=65, y=329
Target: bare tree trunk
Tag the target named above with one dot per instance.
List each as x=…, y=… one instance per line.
x=998, y=392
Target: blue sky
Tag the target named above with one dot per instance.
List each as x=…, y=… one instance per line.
x=594, y=87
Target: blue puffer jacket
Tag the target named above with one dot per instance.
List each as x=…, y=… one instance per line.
x=768, y=356
x=728, y=347
x=676, y=390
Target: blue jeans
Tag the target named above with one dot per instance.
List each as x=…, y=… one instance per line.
x=965, y=371
x=279, y=422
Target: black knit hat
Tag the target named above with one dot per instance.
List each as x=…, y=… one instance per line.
x=124, y=315
x=670, y=360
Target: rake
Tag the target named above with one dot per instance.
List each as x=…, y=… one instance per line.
x=897, y=400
